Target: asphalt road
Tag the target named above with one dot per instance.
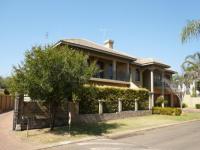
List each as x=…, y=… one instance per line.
x=179, y=137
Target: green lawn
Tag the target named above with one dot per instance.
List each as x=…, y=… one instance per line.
x=103, y=128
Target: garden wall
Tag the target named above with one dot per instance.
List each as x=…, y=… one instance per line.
x=36, y=114
x=93, y=118
x=92, y=100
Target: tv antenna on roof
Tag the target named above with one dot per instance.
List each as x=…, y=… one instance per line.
x=105, y=33
x=46, y=35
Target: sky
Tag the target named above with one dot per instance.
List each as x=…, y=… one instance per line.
x=141, y=28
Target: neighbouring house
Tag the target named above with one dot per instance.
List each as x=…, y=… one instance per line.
x=122, y=70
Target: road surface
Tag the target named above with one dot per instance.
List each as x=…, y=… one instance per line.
x=179, y=137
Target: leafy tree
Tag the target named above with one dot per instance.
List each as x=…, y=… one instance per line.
x=191, y=30
x=4, y=84
x=191, y=66
x=52, y=74
x=180, y=84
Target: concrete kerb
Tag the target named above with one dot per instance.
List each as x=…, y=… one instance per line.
x=69, y=142
x=115, y=135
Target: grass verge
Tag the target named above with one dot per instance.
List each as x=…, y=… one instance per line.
x=79, y=131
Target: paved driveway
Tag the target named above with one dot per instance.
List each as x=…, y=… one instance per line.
x=8, y=140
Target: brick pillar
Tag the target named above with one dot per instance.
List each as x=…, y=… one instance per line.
x=100, y=107
x=119, y=105
x=136, y=105
x=18, y=111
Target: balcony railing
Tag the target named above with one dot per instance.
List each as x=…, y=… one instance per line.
x=158, y=84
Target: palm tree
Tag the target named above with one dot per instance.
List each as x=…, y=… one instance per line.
x=191, y=30
x=191, y=65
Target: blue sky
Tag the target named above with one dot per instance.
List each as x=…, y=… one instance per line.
x=139, y=27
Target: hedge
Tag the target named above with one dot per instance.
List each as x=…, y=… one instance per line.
x=167, y=111
x=197, y=106
x=90, y=95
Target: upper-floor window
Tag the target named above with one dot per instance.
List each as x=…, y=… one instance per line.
x=100, y=65
x=137, y=75
x=110, y=71
x=157, y=79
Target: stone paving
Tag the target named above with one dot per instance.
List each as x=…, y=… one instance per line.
x=8, y=139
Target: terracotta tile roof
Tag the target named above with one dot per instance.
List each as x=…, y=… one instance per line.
x=150, y=61
x=97, y=47
x=90, y=45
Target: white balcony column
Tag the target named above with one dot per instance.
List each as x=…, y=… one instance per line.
x=141, y=77
x=163, y=85
x=131, y=74
x=152, y=86
x=127, y=72
x=114, y=68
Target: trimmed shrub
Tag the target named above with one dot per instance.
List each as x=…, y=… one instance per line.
x=167, y=111
x=178, y=111
x=6, y=92
x=197, y=106
x=184, y=105
x=90, y=95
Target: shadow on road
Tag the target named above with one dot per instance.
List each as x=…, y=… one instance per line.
x=89, y=129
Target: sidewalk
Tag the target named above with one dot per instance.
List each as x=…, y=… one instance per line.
x=8, y=141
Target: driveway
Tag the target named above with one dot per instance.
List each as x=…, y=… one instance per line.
x=8, y=139
x=179, y=137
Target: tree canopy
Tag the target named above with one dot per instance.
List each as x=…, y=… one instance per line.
x=52, y=74
x=191, y=30
x=191, y=66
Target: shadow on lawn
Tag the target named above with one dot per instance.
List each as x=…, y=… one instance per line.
x=89, y=129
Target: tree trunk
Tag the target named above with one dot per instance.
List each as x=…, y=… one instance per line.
x=53, y=111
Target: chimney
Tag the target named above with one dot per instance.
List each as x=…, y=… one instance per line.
x=109, y=44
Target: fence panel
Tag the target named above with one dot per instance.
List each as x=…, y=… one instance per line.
x=6, y=103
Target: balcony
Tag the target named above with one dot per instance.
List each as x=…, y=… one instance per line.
x=112, y=70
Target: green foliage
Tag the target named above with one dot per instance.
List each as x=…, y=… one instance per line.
x=184, y=105
x=191, y=67
x=6, y=92
x=197, y=106
x=160, y=100
x=51, y=74
x=167, y=111
x=191, y=30
x=90, y=95
x=4, y=84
